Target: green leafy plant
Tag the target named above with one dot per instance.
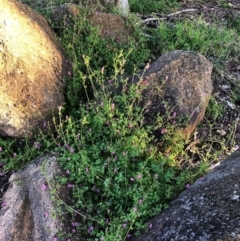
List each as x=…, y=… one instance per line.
x=214, y=109
x=195, y=36
x=118, y=176
x=85, y=39
x=149, y=6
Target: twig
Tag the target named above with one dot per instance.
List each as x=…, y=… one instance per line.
x=193, y=143
x=231, y=138
x=169, y=15
x=234, y=6
x=150, y=19
x=182, y=11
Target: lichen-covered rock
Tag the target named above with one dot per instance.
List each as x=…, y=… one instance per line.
x=180, y=82
x=28, y=211
x=209, y=210
x=32, y=70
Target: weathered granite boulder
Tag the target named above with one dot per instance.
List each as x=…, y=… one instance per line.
x=110, y=25
x=209, y=210
x=178, y=82
x=27, y=208
x=32, y=69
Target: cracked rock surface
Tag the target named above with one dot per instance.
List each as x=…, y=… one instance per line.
x=208, y=210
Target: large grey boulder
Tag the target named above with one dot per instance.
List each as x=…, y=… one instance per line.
x=32, y=70
x=209, y=210
x=27, y=212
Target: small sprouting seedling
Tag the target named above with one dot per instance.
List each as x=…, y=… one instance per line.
x=214, y=109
